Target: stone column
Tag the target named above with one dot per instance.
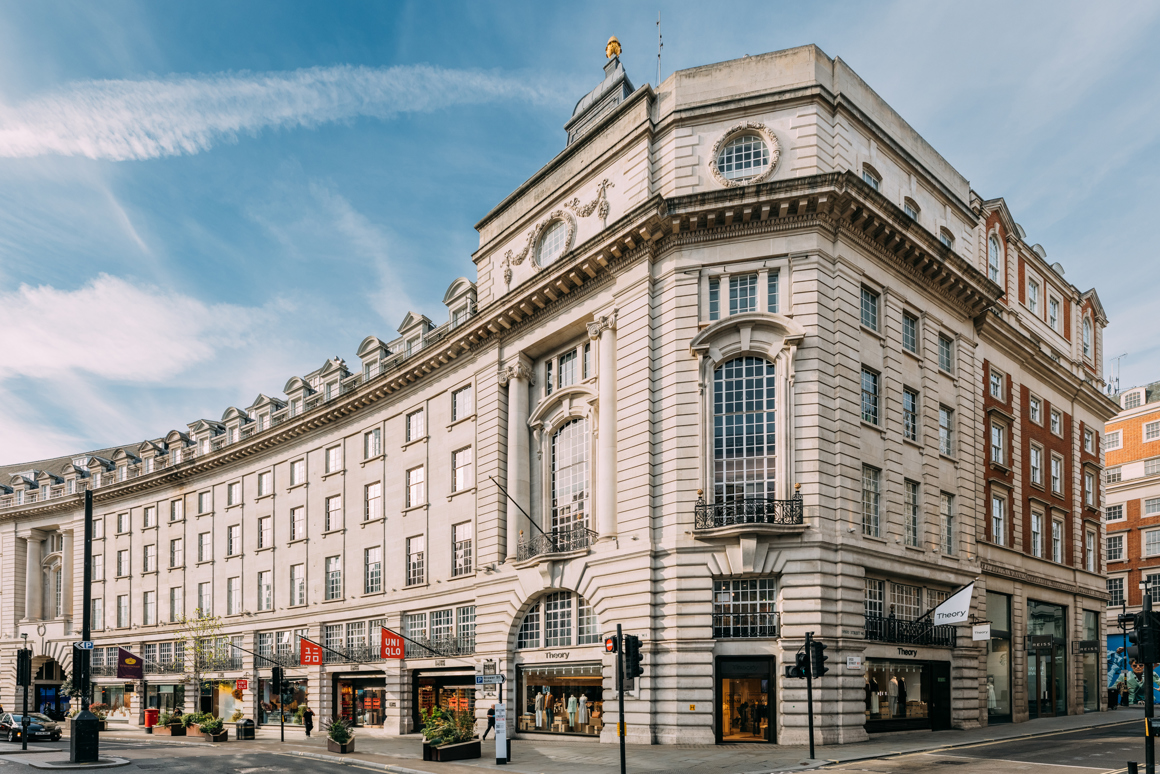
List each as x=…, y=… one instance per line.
x=604, y=328
x=66, y=573
x=33, y=585
x=517, y=377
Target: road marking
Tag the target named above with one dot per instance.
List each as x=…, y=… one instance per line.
x=1028, y=736
x=1027, y=763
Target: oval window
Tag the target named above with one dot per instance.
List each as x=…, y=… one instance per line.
x=743, y=157
x=552, y=243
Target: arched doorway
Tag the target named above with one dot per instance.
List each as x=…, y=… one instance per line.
x=50, y=699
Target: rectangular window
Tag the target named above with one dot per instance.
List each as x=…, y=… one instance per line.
x=870, y=179
x=297, y=584
x=947, y=523
x=1152, y=431
x=742, y=293
x=1115, y=592
x=204, y=600
x=875, y=602
x=416, y=493
x=416, y=566
x=909, y=415
x=548, y=377
x=1113, y=475
x=998, y=444
x=869, y=396
x=1089, y=441
x=1152, y=466
x=587, y=367
x=234, y=540
x=1153, y=584
x=871, y=495
x=774, y=293
x=1115, y=512
x=265, y=590
x=996, y=385
x=333, y=512
x=333, y=577
x=461, y=536
x=150, y=517
x=356, y=637
x=233, y=596
x=98, y=616
x=297, y=472
x=1036, y=462
x=566, y=368
x=442, y=625
x=265, y=532
x=149, y=608
x=1033, y=296
x=234, y=493
x=999, y=519
x=1037, y=534
x=176, y=604
x=529, y=633
x=461, y=470
x=465, y=627
x=334, y=459
x=869, y=308
x=910, y=333
x=1056, y=422
x=204, y=547
x=1035, y=409
x=715, y=299
x=1151, y=506
x=910, y=512
x=373, y=498
x=1089, y=488
x=461, y=403
x=415, y=426
x=1114, y=547
x=946, y=359
x=265, y=483
x=905, y=601
x=1057, y=540
x=1112, y=440
x=149, y=559
x=744, y=608
x=123, y=611
x=122, y=562
x=372, y=570
x=122, y=523
x=98, y=566
x=298, y=523
x=372, y=443
x=415, y=626
x=946, y=431
x=558, y=620
x=1056, y=475
x=332, y=642
x=1053, y=314
x=98, y=528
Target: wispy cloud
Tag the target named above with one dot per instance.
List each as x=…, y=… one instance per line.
x=124, y=120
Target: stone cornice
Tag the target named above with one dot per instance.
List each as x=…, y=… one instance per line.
x=1011, y=573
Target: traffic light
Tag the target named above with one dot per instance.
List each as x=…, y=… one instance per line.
x=1145, y=639
x=801, y=665
x=632, y=657
x=24, y=667
x=818, y=658
x=276, y=680
x=611, y=645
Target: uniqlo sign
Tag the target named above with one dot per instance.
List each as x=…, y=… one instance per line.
x=311, y=653
x=242, y=685
x=390, y=645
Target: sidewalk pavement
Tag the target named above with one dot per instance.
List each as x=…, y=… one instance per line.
x=530, y=755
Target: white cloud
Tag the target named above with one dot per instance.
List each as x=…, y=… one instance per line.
x=142, y=119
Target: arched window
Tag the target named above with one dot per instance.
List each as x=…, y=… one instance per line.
x=743, y=430
x=993, y=258
x=743, y=157
x=559, y=620
x=552, y=243
x=1087, y=337
x=570, y=490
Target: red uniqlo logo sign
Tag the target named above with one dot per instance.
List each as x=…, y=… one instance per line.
x=311, y=653
x=242, y=685
x=390, y=645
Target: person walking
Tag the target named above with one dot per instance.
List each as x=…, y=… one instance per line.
x=308, y=720
x=490, y=722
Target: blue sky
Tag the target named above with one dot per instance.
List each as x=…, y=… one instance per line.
x=199, y=200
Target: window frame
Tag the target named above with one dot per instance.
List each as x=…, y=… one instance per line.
x=870, y=384
x=1115, y=554
x=912, y=322
x=946, y=354
x=870, y=308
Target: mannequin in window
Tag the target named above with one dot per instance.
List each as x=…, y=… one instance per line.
x=573, y=705
x=992, y=704
x=549, y=708
x=902, y=696
x=871, y=695
x=582, y=711
x=892, y=693
x=540, y=709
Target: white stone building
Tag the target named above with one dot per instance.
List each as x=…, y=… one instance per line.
x=730, y=353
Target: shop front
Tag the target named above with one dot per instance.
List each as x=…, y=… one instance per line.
x=560, y=699
x=117, y=697
x=906, y=690
x=272, y=709
x=742, y=692
x=1046, y=659
x=451, y=689
x=1089, y=656
x=166, y=697
x=360, y=699
x=999, y=659
x=223, y=698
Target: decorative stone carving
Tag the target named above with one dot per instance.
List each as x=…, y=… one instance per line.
x=748, y=126
x=598, y=205
x=606, y=322
x=516, y=371
x=511, y=258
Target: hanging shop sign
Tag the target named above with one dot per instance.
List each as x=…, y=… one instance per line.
x=981, y=632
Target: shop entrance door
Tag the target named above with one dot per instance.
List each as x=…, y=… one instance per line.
x=745, y=687
x=940, y=695
x=1041, y=683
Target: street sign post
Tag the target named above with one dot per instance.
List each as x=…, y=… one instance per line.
x=490, y=679
x=500, y=731
x=83, y=645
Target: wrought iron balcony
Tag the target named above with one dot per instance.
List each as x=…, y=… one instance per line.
x=558, y=541
x=889, y=629
x=736, y=625
x=748, y=510
x=171, y=668
x=424, y=647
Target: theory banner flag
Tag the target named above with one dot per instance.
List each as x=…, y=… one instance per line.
x=129, y=666
x=390, y=644
x=956, y=608
x=310, y=653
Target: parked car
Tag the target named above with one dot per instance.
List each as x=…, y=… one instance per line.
x=39, y=727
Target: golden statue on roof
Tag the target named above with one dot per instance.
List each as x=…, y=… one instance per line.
x=613, y=47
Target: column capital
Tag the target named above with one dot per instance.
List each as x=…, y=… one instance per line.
x=520, y=368
x=605, y=322
x=32, y=534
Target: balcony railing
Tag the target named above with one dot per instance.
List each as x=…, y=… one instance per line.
x=755, y=624
x=748, y=510
x=171, y=668
x=888, y=629
x=422, y=647
x=558, y=541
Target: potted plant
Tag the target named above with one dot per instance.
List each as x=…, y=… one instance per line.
x=214, y=730
x=449, y=736
x=102, y=713
x=169, y=724
x=339, y=739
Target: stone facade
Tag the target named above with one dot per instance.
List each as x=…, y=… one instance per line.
x=728, y=356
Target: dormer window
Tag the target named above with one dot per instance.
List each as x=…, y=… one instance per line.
x=331, y=390
x=552, y=243
x=147, y=465
x=122, y=472
x=233, y=435
x=71, y=486
x=369, y=370
x=295, y=407
x=1133, y=399
x=413, y=345
x=205, y=446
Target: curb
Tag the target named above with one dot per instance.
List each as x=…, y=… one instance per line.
x=353, y=762
x=102, y=763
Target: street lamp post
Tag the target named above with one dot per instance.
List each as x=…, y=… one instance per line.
x=84, y=735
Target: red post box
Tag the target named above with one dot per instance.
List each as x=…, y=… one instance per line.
x=151, y=716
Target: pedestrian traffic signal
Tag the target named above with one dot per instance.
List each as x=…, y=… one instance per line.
x=632, y=657
x=611, y=645
x=818, y=658
x=24, y=667
x=801, y=667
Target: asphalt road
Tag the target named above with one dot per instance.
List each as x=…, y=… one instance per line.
x=1092, y=751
